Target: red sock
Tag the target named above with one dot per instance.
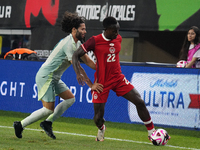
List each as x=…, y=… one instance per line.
x=101, y=127
x=149, y=124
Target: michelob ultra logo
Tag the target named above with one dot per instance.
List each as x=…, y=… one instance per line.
x=168, y=97
x=167, y=90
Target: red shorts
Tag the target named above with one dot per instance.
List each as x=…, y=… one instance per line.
x=119, y=85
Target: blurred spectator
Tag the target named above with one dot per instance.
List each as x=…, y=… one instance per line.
x=190, y=52
x=26, y=41
x=16, y=42
x=2, y=55
x=21, y=54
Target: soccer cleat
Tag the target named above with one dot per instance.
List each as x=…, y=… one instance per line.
x=149, y=138
x=100, y=134
x=18, y=129
x=150, y=132
x=47, y=127
x=167, y=137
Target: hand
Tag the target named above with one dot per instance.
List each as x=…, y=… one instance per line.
x=97, y=87
x=80, y=79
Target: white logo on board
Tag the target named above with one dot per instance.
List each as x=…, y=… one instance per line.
x=98, y=12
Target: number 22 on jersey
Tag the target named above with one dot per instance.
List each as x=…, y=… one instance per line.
x=111, y=58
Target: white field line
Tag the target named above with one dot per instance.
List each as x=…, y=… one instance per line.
x=108, y=138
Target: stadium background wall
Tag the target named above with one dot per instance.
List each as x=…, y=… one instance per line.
x=158, y=27
x=171, y=94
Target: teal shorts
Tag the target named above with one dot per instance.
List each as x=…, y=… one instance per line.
x=49, y=89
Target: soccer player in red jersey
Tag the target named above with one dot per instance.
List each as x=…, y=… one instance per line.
x=106, y=47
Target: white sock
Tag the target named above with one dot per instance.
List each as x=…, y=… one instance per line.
x=151, y=131
x=60, y=109
x=35, y=116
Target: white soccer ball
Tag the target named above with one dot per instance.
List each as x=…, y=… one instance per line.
x=159, y=137
x=181, y=64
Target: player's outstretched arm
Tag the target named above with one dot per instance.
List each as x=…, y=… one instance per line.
x=76, y=64
x=94, y=87
x=80, y=72
x=86, y=59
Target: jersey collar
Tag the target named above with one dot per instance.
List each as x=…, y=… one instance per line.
x=105, y=37
x=78, y=42
x=72, y=38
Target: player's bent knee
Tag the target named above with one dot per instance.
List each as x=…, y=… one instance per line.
x=46, y=111
x=68, y=102
x=71, y=100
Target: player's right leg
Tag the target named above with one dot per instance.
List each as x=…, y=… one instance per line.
x=35, y=116
x=18, y=129
x=47, y=96
x=99, y=120
x=134, y=97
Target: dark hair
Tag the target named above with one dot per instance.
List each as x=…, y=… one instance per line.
x=108, y=22
x=186, y=43
x=71, y=20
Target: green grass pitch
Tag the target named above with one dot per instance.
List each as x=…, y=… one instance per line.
x=79, y=134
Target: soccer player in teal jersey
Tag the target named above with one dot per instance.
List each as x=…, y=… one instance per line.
x=48, y=78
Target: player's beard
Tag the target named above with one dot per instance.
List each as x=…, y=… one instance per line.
x=79, y=36
x=83, y=40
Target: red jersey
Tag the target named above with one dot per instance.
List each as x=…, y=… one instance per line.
x=107, y=56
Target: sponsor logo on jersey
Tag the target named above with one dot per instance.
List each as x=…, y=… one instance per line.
x=95, y=96
x=111, y=44
x=112, y=50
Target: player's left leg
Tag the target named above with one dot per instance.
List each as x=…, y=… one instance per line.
x=99, y=100
x=99, y=120
x=69, y=99
x=47, y=126
x=134, y=97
